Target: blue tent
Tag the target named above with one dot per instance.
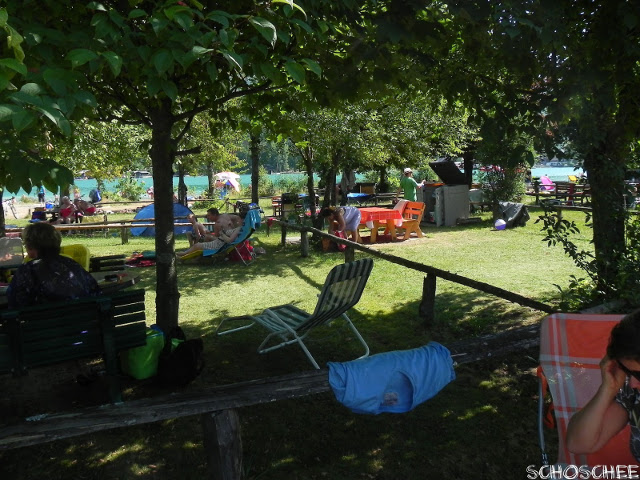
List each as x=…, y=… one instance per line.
x=148, y=212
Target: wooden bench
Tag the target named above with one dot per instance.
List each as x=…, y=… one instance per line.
x=107, y=263
x=88, y=327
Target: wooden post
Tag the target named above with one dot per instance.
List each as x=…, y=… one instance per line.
x=124, y=234
x=223, y=444
x=428, y=303
x=349, y=254
x=283, y=240
x=536, y=190
x=304, y=243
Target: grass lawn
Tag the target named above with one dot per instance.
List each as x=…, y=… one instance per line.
x=483, y=425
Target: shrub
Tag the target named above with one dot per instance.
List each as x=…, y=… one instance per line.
x=590, y=290
x=129, y=189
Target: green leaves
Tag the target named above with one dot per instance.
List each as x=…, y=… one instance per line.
x=114, y=61
x=266, y=29
x=313, y=66
x=292, y=5
x=162, y=60
x=81, y=56
x=296, y=71
x=13, y=64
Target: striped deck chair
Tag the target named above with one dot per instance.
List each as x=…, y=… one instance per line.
x=251, y=222
x=288, y=324
x=571, y=347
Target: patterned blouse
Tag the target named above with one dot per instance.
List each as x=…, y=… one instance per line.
x=53, y=279
x=629, y=398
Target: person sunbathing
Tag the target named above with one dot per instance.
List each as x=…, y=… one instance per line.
x=225, y=237
x=67, y=211
x=225, y=221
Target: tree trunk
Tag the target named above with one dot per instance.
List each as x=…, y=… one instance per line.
x=606, y=177
x=162, y=154
x=383, y=183
x=254, y=148
x=182, y=187
x=307, y=157
x=467, y=158
x=3, y=222
x=210, y=180
x=331, y=188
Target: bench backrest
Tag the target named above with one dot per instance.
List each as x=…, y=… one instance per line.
x=413, y=211
x=107, y=263
x=52, y=333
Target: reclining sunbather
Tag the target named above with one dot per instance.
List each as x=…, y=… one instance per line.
x=222, y=222
x=226, y=236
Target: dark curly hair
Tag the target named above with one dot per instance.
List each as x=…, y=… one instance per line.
x=624, y=341
x=326, y=211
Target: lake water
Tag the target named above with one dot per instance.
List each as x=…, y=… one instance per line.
x=198, y=184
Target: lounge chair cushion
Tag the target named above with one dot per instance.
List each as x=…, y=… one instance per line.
x=392, y=382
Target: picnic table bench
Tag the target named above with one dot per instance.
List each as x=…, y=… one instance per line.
x=47, y=334
x=568, y=192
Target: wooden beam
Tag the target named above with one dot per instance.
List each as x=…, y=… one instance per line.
x=50, y=427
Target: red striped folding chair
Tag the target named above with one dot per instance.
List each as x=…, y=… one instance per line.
x=571, y=347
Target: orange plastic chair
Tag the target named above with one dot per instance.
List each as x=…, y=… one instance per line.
x=571, y=347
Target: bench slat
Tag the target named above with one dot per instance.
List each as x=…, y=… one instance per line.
x=88, y=327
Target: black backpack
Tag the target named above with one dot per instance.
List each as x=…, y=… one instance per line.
x=179, y=366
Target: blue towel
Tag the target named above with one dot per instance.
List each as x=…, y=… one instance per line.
x=393, y=382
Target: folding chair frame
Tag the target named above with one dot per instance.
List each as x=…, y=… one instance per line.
x=291, y=324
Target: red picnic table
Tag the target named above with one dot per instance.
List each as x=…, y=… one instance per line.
x=375, y=217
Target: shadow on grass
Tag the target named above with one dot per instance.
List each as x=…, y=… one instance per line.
x=467, y=431
x=480, y=426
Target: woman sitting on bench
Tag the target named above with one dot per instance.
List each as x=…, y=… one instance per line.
x=49, y=277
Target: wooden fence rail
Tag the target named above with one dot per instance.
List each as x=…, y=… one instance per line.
x=122, y=227
x=427, y=305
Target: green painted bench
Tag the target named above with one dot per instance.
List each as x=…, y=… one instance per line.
x=88, y=327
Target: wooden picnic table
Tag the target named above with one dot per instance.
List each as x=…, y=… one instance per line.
x=569, y=192
x=372, y=217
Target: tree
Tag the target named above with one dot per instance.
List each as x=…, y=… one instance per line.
x=160, y=64
x=33, y=102
x=217, y=143
x=107, y=149
x=569, y=68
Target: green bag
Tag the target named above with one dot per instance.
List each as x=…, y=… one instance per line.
x=142, y=362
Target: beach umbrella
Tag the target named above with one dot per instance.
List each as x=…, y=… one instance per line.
x=227, y=176
x=233, y=183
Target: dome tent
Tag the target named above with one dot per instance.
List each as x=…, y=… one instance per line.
x=148, y=212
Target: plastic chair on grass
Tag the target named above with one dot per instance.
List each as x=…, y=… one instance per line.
x=288, y=324
x=77, y=252
x=571, y=347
